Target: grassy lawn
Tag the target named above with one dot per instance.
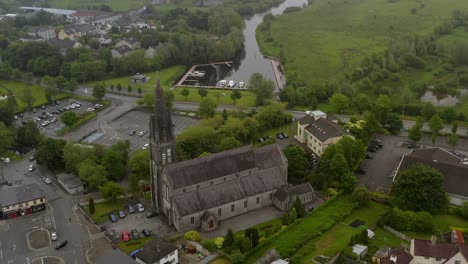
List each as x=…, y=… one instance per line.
x=116, y=5
x=288, y=128
x=447, y=222
x=102, y=210
x=384, y=238
x=338, y=237
x=220, y=96
x=168, y=77
x=220, y=260
x=18, y=89
x=132, y=245
x=298, y=234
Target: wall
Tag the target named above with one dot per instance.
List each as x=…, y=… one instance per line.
x=458, y=257
x=457, y=199
x=173, y=256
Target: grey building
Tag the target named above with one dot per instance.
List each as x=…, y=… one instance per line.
x=203, y=191
x=43, y=32
x=158, y=252
x=285, y=197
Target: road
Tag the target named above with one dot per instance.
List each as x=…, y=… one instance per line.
x=13, y=242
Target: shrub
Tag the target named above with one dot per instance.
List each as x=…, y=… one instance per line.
x=237, y=258
x=229, y=239
x=219, y=241
x=246, y=245
x=91, y=205
x=252, y=234
x=293, y=215
x=415, y=62
x=284, y=227
x=285, y=220
x=209, y=245
x=361, y=196
x=408, y=220
x=261, y=240
x=464, y=210
x=193, y=235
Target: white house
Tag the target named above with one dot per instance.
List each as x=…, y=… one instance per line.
x=158, y=252
x=433, y=252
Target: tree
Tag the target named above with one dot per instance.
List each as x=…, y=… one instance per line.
x=69, y=118
x=74, y=154
x=112, y=162
x=435, y=125
x=60, y=82
x=112, y=87
x=454, y=127
x=339, y=103
x=252, y=234
x=300, y=209
x=237, y=258
x=202, y=92
x=7, y=136
x=464, y=210
x=293, y=215
x=92, y=173
x=91, y=205
x=297, y=161
x=185, y=93
x=28, y=135
x=119, y=87
x=453, y=140
x=50, y=153
x=139, y=90
x=71, y=86
x=168, y=99
x=420, y=188
x=415, y=133
x=361, y=103
x=428, y=111
x=361, y=196
x=123, y=148
x=235, y=95
x=129, y=88
x=99, y=91
x=394, y=123
x=228, y=143
x=111, y=191
x=382, y=108
x=262, y=88
x=139, y=164
x=207, y=108
x=229, y=238
x=28, y=97
x=246, y=245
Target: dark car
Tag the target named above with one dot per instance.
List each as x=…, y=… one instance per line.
x=371, y=149
x=369, y=156
x=61, y=244
x=133, y=132
x=24, y=123
x=284, y=135
x=112, y=217
x=279, y=136
x=361, y=170
x=146, y=232
x=135, y=234
x=410, y=145
x=151, y=214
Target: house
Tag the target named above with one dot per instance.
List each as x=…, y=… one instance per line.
x=456, y=236
x=138, y=79
x=21, y=200
x=360, y=250
x=205, y=190
x=381, y=254
x=158, y=252
x=63, y=45
x=453, y=168
x=71, y=183
x=317, y=131
x=143, y=25
x=75, y=32
x=285, y=197
x=121, y=51
x=93, y=17
x=431, y=251
x=115, y=257
x=396, y=256
x=43, y=32
x=132, y=43
x=105, y=39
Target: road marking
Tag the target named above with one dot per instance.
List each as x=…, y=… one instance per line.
x=14, y=247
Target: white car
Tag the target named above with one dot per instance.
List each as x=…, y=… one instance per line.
x=90, y=109
x=145, y=146
x=241, y=84
x=141, y=133
x=53, y=236
x=231, y=84
x=47, y=180
x=31, y=167
x=222, y=82
x=140, y=207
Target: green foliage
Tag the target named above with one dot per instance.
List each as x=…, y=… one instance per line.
x=185, y=93
x=228, y=239
x=299, y=207
x=408, y=220
x=196, y=140
x=293, y=215
x=435, y=125
x=420, y=188
x=297, y=161
x=262, y=88
x=112, y=161
x=69, y=118
x=111, y=191
x=207, y=108
x=202, y=92
x=219, y=241
x=394, y=123
x=50, y=153
x=74, y=154
x=27, y=136
x=285, y=219
x=7, y=135
x=252, y=234
x=464, y=210
x=361, y=196
x=99, y=91
x=92, y=173
x=360, y=238
x=193, y=236
x=139, y=164
x=229, y=143
x=272, y=115
x=237, y=258
x=209, y=245
x=415, y=133
x=91, y=205
x=339, y=103
x=246, y=245
x=236, y=95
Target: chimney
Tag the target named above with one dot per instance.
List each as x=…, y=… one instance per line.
x=433, y=240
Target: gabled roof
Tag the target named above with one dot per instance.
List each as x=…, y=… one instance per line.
x=190, y=172
x=115, y=257
x=397, y=256
x=124, y=49
x=324, y=129
x=425, y=248
x=454, y=171
x=286, y=193
x=155, y=251
x=138, y=76
x=305, y=120
x=61, y=43
x=20, y=194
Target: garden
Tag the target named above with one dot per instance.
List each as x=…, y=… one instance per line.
x=103, y=209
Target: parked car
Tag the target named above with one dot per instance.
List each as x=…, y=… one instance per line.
x=279, y=136
x=31, y=168
x=146, y=232
x=97, y=106
x=121, y=214
x=369, y=156
x=142, y=133
x=284, y=135
x=61, y=244
x=31, y=158
x=135, y=234
x=151, y=214
x=112, y=217
x=47, y=180
x=125, y=236
x=361, y=170
x=140, y=207
x=145, y=146
x=131, y=209
x=90, y=109
x=53, y=236
x=133, y=132
x=410, y=145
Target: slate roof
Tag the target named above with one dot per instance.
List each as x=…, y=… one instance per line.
x=455, y=173
x=286, y=193
x=115, y=257
x=85, y=28
x=229, y=191
x=138, y=76
x=306, y=120
x=61, y=43
x=324, y=129
x=20, y=194
x=440, y=250
x=123, y=49
x=224, y=163
x=154, y=251
x=400, y=255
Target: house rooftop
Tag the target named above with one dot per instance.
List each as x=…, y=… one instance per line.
x=61, y=43
x=440, y=250
x=397, y=256
x=155, y=251
x=23, y=193
x=324, y=129
x=115, y=257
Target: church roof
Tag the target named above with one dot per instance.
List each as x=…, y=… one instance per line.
x=230, y=191
x=221, y=164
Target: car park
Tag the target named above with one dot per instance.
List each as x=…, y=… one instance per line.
x=112, y=217
x=121, y=214
x=125, y=236
x=135, y=234
x=131, y=209
x=140, y=207
x=31, y=158
x=61, y=244
x=146, y=232
x=53, y=236
x=47, y=180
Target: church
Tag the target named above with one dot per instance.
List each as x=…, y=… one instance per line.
x=203, y=191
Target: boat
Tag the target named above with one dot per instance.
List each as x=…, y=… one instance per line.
x=222, y=83
x=231, y=84
x=241, y=85
x=197, y=74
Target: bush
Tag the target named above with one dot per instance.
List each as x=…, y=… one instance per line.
x=285, y=219
x=193, y=236
x=229, y=239
x=219, y=241
x=361, y=196
x=237, y=258
x=246, y=245
x=210, y=245
x=408, y=220
x=91, y=205
x=464, y=210
x=415, y=62
x=252, y=234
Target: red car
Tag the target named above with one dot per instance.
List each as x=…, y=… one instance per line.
x=125, y=236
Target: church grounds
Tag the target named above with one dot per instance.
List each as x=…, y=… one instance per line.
x=102, y=210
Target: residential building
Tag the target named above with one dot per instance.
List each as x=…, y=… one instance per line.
x=318, y=131
x=285, y=197
x=115, y=256
x=43, y=32
x=132, y=43
x=158, y=252
x=202, y=191
x=75, y=32
x=453, y=168
x=360, y=250
x=394, y=256
x=94, y=17
x=21, y=200
x=433, y=252
x=105, y=39
x=138, y=78
x=64, y=45
x=121, y=51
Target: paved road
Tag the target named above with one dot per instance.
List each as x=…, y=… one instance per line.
x=13, y=245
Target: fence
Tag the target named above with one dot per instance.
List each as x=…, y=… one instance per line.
x=398, y=234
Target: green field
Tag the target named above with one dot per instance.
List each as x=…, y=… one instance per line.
x=116, y=5
x=18, y=89
x=102, y=210
x=314, y=39
x=221, y=96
